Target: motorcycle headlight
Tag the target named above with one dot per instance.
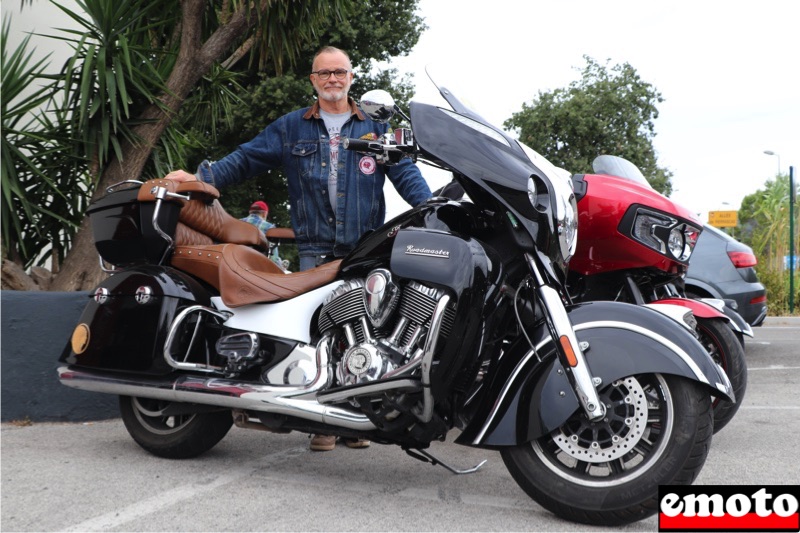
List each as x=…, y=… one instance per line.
x=651, y=228
x=532, y=191
x=568, y=229
x=664, y=234
x=676, y=243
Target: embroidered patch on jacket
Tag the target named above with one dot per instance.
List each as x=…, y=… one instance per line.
x=367, y=165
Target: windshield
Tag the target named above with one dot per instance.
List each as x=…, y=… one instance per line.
x=524, y=180
x=465, y=114
x=612, y=165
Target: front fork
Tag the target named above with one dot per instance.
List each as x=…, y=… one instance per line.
x=568, y=348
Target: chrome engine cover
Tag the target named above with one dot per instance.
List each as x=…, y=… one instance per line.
x=379, y=331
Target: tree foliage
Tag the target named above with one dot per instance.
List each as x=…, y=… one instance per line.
x=154, y=86
x=43, y=196
x=763, y=224
x=609, y=110
x=135, y=64
x=368, y=34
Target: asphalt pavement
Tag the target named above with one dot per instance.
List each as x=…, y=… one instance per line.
x=92, y=477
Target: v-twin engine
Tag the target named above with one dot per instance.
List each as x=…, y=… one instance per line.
x=380, y=328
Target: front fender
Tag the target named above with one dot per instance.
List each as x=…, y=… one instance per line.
x=698, y=307
x=529, y=398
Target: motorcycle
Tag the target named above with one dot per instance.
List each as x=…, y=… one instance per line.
x=635, y=246
x=451, y=316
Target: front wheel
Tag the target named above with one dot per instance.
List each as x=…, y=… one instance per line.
x=657, y=431
x=167, y=429
x=725, y=349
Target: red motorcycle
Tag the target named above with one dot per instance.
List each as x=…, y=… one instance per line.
x=634, y=246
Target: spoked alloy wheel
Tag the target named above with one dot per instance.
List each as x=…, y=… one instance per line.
x=725, y=349
x=657, y=432
x=173, y=436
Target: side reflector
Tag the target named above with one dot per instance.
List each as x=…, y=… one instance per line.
x=80, y=338
x=571, y=358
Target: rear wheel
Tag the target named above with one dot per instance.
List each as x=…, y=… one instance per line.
x=166, y=431
x=657, y=431
x=724, y=348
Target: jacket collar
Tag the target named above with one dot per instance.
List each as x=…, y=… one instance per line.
x=313, y=111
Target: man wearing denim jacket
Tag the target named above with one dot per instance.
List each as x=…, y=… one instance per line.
x=335, y=195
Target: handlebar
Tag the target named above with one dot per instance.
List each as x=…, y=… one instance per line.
x=362, y=145
x=386, y=154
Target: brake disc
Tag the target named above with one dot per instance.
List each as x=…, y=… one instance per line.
x=614, y=436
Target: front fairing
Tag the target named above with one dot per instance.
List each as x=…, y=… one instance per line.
x=496, y=169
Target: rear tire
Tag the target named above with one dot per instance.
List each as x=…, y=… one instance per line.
x=721, y=343
x=172, y=436
x=657, y=432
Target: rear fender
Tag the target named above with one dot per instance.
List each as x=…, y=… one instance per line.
x=527, y=399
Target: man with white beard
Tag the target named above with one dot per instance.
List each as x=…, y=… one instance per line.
x=335, y=195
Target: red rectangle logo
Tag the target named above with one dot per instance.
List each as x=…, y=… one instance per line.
x=728, y=508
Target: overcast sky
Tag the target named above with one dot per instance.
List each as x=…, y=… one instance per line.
x=728, y=72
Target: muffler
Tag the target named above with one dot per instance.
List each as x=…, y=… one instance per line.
x=290, y=400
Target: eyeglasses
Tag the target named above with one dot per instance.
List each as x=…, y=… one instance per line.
x=340, y=73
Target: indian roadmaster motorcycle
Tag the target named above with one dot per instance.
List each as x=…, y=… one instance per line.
x=451, y=315
x=635, y=246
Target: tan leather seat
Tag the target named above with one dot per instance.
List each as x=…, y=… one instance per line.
x=245, y=276
x=220, y=249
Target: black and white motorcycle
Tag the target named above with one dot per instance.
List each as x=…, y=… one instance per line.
x=453, y=315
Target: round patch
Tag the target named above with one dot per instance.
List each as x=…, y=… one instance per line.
x=367, y=165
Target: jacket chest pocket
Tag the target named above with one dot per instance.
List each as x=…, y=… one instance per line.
x=305, y=156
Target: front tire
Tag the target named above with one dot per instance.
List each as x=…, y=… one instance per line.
x=657, y=431
x=721, y=343
x=172, y=436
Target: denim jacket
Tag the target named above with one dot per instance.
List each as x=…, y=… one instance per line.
x=298, y=142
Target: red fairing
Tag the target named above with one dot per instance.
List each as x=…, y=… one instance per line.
x=699, y=309
x=601, y=246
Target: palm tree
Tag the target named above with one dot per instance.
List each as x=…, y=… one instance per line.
x=134, y=65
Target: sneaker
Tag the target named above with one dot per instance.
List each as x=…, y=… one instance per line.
x=322, y=443
x=356, y=443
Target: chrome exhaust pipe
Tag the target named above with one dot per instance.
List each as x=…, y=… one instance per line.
x=298, y=401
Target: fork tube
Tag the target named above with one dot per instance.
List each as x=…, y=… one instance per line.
x=567, y=346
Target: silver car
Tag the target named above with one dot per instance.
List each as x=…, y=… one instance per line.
x=722, y=267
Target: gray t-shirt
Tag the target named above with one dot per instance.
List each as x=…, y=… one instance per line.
x=334, y=123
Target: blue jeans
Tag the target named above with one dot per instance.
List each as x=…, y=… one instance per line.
x=307, y=262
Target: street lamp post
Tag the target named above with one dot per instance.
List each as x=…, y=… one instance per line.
x=792, y=194
x=770, y=152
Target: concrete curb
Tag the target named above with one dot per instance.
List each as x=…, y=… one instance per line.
x=792, y=321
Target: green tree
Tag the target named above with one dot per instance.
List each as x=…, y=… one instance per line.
x=41, y=196
x=368, y=33
x=609, y=110
x=134, y=64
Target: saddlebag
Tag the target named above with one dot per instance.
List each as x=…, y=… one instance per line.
x=126, y=323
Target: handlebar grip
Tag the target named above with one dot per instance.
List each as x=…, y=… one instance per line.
x=361, y=145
